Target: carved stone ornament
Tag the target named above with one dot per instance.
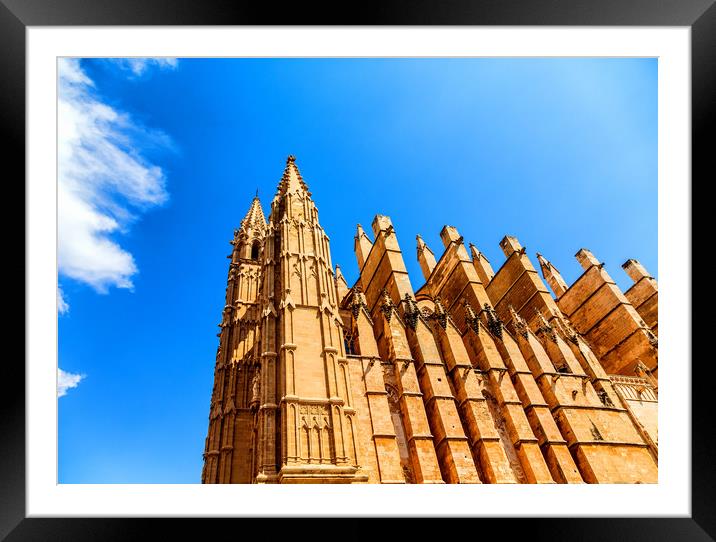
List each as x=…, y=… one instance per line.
x=387, y=305
x=412, y=312
x=471, y=318
x=520, y=324
x=358, y=300
x=565, y=329
x=604, y=398
x=256, y=389
x=494, y=324
x=439, y=314
x=546, y=329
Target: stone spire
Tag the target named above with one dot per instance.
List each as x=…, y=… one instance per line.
x=635, y=270
x=552, y=276
x=361, y=246
x=291, y=181
x=254, y=218
x=302, y=399
x=426, y=258
x=482, y=265
x=341, y=284
x=248, y=239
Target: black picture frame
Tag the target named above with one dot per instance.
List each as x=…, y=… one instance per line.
x=699, y=15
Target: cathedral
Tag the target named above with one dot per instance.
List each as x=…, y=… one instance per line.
x=477, y=376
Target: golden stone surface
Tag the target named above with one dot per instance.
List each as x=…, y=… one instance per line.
x=479, y=376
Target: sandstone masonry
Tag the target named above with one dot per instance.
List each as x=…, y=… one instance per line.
x=478, y=376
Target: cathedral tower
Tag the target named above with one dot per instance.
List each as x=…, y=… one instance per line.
x=478, y=376
x=234, y=400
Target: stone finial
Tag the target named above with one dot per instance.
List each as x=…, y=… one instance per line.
x=545, y=328
x=449, y=234
x=510, y=244
x=421, y=244
x=341, y=284
x=381, y=223
x=440, y=314
x=494, y=324
x=471, y=318
x=635, y=270
x=411, y=311
x=552, y=276
x=361, y=246
x=358, y=301
x=426, y=258
x=519, y=323
x=292, y=181
x=586, y=259
x=481, y=265
x=387, y=306
x=253, y=220
x=565, y=328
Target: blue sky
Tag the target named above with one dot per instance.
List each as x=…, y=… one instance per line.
x=159, y=160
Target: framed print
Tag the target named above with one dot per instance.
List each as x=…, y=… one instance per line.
x=352, y=374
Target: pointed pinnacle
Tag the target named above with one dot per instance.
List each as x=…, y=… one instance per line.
x=291, y=179
x=254, y=214
x=543, y=261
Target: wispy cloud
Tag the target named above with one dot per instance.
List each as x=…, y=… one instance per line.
x=139, y=66
x=66, y=381
x=104, y=181
x=62, y=305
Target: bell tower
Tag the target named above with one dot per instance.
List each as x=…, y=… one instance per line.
x=306, y=425
x=232, y=419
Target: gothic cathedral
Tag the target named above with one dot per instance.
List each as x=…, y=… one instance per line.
x=478, y=376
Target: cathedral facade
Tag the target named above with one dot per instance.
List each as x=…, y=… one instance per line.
x=478, y=376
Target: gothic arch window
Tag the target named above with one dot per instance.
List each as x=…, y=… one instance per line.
x=255, y=251
x=350, y=343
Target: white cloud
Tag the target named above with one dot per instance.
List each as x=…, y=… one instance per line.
x=140, y=65
x=103, y=181
x=62, y=305
x=66, y=381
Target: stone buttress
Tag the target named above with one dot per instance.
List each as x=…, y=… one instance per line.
x=452, y=290
x=603, y=440
x=479, y=376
